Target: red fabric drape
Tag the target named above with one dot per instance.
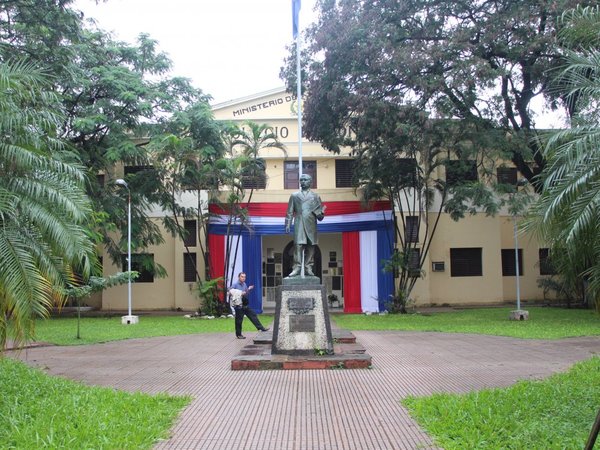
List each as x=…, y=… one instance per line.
x=351, y=264
x=279, y=209
x=216, y=252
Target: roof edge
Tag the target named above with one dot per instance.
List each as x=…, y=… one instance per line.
x=235, y=101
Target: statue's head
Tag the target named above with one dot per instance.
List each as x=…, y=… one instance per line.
x=305, y=181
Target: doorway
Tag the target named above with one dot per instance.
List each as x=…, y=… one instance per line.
x=288, y=261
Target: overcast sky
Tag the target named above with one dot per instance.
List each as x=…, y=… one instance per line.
x=228, y=48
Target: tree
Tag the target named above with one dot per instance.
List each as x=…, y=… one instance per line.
x=403, y=165
x=241, y=172
x=185, y=159
x=201, y=155
x=80, y=290
x=567, y=214
x=253, y=140
x=115, y=97
x=482, y=62
x=44, y=211
x=439, y=83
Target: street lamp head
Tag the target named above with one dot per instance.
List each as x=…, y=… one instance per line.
x=122, y=182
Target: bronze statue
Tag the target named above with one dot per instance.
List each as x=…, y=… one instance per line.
x=305, y=208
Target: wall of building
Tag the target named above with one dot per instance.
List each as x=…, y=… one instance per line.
x=276, y=108
x=530, y=272
x=170, y=292
x=473, y=231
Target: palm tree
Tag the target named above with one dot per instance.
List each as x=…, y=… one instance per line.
x=43, y=206
x=246, y=169
x=254, y=139
x=567, y=214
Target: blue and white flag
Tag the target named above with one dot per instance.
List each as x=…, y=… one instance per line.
x=295, y=17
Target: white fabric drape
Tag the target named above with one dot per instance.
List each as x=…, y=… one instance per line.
x=368, y=271
x=331, y=219
x=235, y=259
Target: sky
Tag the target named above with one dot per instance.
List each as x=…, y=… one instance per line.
x=228, y=48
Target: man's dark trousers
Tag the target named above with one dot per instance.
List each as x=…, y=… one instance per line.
x=239, y=318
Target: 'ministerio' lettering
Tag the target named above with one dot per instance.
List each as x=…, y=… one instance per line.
x=264, y=105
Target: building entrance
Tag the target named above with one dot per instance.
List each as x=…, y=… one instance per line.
x=288, y=261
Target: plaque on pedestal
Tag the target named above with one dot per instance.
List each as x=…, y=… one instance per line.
x=301, y=319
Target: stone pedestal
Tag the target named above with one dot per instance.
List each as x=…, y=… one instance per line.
x=301, y=337
x=301, y=324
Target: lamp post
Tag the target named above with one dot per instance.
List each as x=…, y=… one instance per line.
x=517, y=314
x=128, y=319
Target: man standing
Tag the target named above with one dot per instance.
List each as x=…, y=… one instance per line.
x=239, y=300
x=305, y=208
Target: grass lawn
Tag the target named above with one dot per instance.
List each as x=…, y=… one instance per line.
x=63, y=331
x=556, y=413
x=40, y=411
x=543, y=323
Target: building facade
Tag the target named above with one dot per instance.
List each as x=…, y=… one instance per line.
x=470, y=262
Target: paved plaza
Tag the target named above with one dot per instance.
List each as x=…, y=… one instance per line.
x=308, y=409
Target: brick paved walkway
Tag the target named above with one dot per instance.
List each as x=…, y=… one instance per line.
x=310, y=409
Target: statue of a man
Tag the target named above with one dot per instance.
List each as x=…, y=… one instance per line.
x=305, y=208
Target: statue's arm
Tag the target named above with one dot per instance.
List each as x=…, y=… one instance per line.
x=320, y=211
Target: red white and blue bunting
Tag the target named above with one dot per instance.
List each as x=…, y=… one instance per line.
x=367, y=240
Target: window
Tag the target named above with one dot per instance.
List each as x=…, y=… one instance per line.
x=142, y=178
x=142, y=263
x=507, y=175
x=411, y=229
x=509, y=268
x=414, y=258
x=193, y=178
x=190, y=233
x=460, y=171
x=189, y=267
x=344, y=169
x=254, y=176
x=100, y=266
x=465, y=262
x=257, y=180
x=133, y=170
x=407, y=171
x=290, y=175
x=100, y=179
x=546, y=267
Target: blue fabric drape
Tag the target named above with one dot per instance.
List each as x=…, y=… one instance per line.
x=252, y=263
x=385, y=280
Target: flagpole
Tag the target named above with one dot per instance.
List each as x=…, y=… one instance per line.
x=298, y=89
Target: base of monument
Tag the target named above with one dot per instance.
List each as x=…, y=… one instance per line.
x=347, y=354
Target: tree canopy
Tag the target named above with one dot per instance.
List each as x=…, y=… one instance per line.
x=44, y=211
x=413, y=86
x=567, y=214
x=115, y=97
x=483, y=62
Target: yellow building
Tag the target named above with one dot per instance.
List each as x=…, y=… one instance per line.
x=471, y=261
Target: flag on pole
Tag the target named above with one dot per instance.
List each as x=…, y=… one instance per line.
x=295, y=17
